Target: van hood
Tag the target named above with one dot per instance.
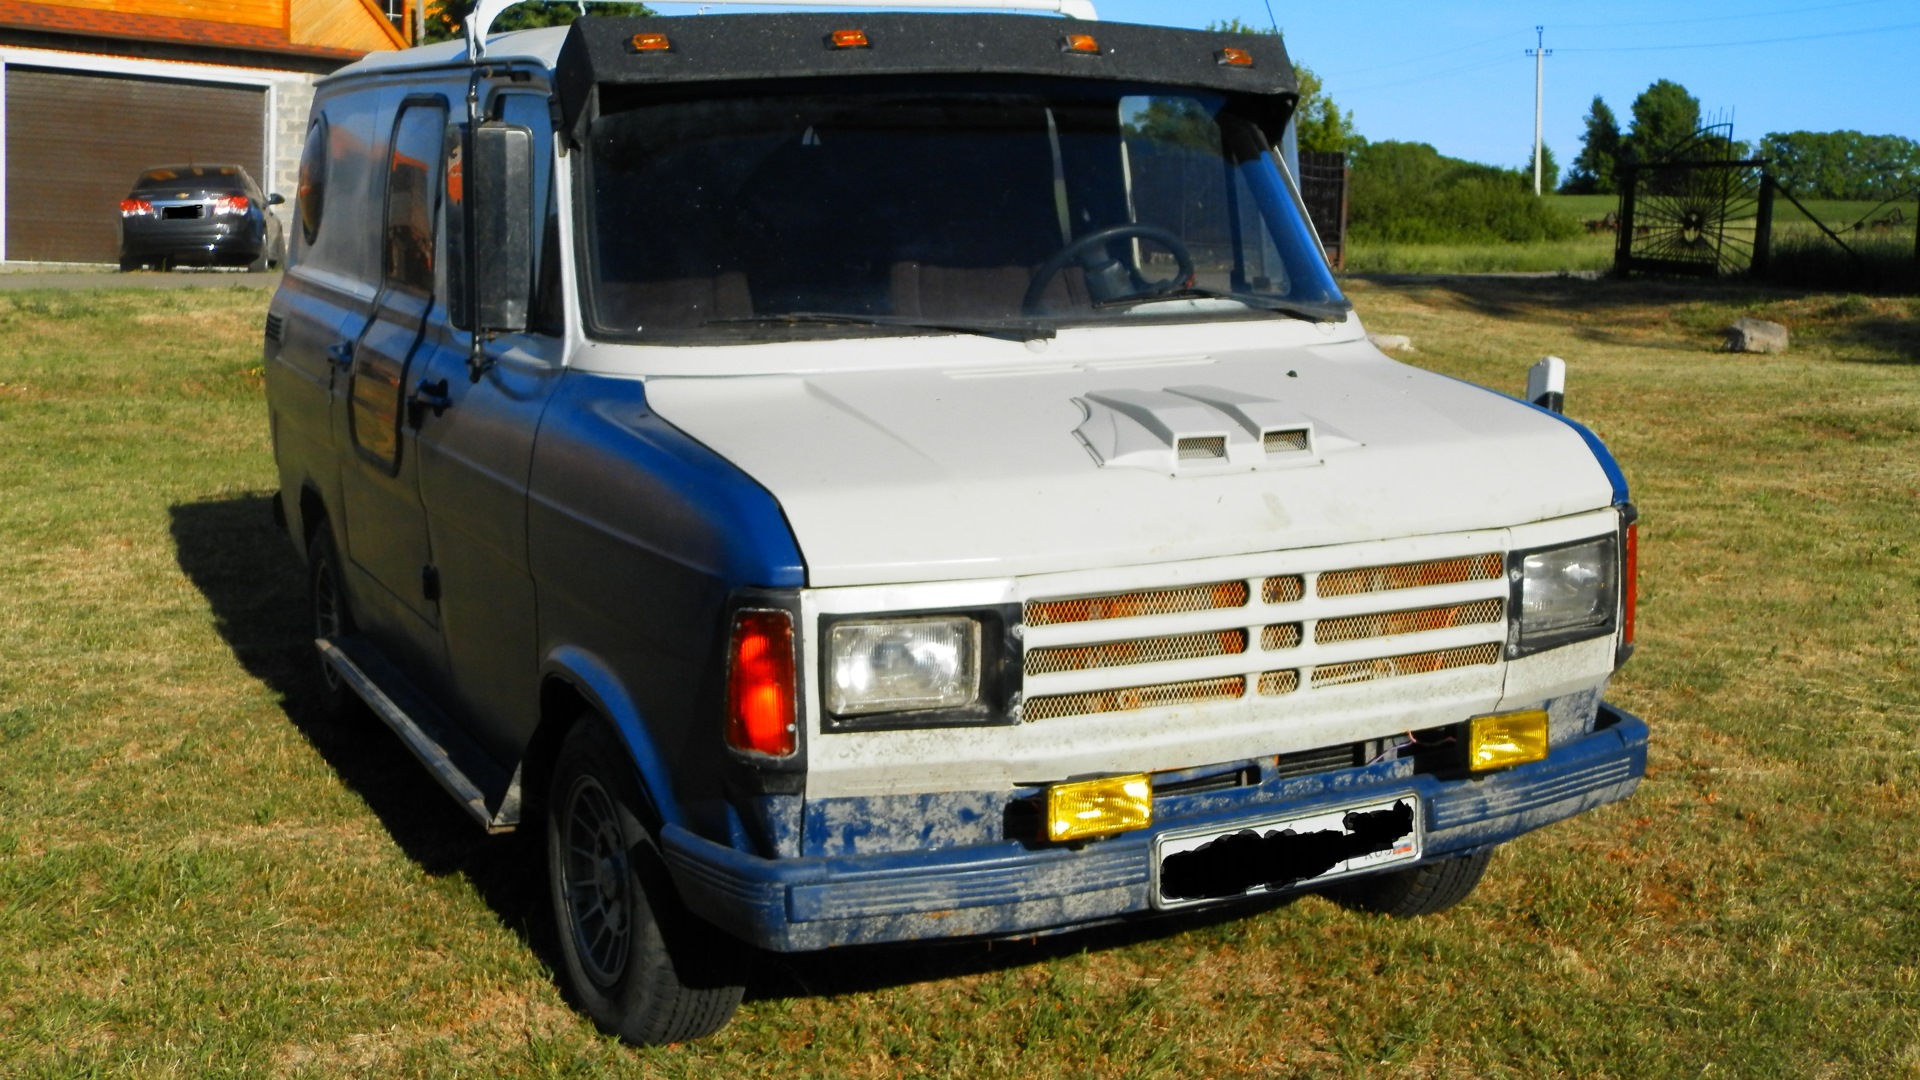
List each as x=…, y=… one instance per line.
x=919, y=474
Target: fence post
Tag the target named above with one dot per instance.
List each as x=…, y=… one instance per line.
x=1623, y=240
x=1763, y=228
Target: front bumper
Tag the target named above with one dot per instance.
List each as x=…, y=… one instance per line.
x=1010, y=888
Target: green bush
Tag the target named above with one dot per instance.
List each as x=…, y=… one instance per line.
x=1407, y=193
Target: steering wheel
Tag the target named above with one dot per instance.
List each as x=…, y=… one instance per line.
x=1090, y=252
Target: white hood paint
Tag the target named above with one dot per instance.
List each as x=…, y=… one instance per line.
x=929, y=474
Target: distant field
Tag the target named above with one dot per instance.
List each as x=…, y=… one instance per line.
x=1594, y=251
x=202, y=877
x=1836, y=213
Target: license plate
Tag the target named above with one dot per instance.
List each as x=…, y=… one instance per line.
x=1285, y=853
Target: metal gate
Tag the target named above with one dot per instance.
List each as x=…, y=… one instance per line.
x=1697, y=212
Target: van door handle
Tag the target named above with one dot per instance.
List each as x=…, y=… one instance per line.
x=427, y=396
x=341, y=353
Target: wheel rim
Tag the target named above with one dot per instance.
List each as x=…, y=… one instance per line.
x=598, y=887
x=329, y=618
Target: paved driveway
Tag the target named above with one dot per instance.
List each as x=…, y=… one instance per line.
x=11, y=278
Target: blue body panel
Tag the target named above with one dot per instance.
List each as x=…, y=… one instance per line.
x=1007, y=887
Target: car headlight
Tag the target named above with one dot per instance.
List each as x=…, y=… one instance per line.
x=1569, y=592
x=901, y=665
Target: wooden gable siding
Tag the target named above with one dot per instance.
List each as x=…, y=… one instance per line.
x=343, y=24
x=238, y=12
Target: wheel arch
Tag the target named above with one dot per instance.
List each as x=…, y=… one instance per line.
x=574, y=683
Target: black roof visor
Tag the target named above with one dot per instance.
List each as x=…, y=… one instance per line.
x=717, y=48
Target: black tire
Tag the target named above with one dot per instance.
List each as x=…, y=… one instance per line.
x=641, y=965
x=332, y=617
x=1425, y=889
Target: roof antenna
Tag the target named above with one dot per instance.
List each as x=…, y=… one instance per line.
x=1270, y=19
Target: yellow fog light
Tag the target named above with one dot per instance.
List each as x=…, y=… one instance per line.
x=1494, y=742
x=1099, y=807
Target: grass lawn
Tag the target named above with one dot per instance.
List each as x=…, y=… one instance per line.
x=200, y=877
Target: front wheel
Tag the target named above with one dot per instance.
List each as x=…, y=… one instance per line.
x=638, y=962
x=1426, y=889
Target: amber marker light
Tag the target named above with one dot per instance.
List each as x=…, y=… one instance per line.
x=650, y=43
x=1089, y=808
x=1080, y=43
x=1494, y=742
x=1631, y=572
x=1234, y=58
x=760, y=713
x=849, y=39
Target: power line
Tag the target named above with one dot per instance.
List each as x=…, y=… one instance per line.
x=1716, y=18
x=1446, y=52
x=1755, y=41
x=1480, y=65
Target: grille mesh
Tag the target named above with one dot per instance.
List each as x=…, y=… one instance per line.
x=1283, y=590
x=1280, y=636
x=1133, y=698
x=1145, y=651
x=1390, y=667
x=1392, y=623
x=1225, y=594
x=1203, y=448
x=1284, y=442
x=1411, y=575
x=1279, y=682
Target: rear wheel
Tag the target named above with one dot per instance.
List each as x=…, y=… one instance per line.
x=637, y=961
x=1421, y=890
x=332, y=618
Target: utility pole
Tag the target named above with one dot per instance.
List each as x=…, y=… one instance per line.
x=1539, y=54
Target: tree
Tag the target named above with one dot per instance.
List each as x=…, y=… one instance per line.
x=1843, y=164
x=447, y=19
x=1549, y=168
x=1408, y=193
x=1664, y=117
x=1593, y=170
x=1319, y=124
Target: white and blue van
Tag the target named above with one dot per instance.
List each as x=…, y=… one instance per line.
x=855, y=478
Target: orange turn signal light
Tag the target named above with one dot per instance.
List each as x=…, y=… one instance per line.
x=1080, y=43
x=1234, y=58
x=849, y=39
x=650, y=43
x=760, y=684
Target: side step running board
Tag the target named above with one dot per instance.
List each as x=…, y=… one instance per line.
x=431, y=739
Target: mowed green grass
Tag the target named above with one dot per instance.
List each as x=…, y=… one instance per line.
x=199, y=877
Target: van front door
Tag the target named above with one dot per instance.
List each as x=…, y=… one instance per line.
x=386, y=526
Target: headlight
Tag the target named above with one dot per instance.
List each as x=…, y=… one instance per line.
x=1567, y=591
x=898, y=665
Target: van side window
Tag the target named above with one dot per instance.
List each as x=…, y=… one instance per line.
x=407, y=249
x=312, y=194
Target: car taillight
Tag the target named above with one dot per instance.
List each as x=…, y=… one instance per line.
x=760, y=713
x=135, y=208
x=230, y=204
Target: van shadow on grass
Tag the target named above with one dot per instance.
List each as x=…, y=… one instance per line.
x=232, y=551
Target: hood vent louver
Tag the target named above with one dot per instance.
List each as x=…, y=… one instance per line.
x=1193, y=430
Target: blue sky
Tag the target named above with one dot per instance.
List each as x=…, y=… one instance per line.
x=1456, y=74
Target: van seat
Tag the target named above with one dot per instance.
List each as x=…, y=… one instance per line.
x=921, y=290
x=675, y=303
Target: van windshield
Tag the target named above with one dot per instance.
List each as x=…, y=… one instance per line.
x=900, y=208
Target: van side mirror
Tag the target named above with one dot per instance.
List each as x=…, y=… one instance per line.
x=276, y=199
x=499, y=179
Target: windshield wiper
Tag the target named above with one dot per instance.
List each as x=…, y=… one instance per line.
x=1310, y=310
x=1010, y=330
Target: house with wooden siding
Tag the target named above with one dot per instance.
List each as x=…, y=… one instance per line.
x=92, y=92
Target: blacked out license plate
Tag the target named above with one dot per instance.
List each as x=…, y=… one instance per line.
x=1283, y=853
